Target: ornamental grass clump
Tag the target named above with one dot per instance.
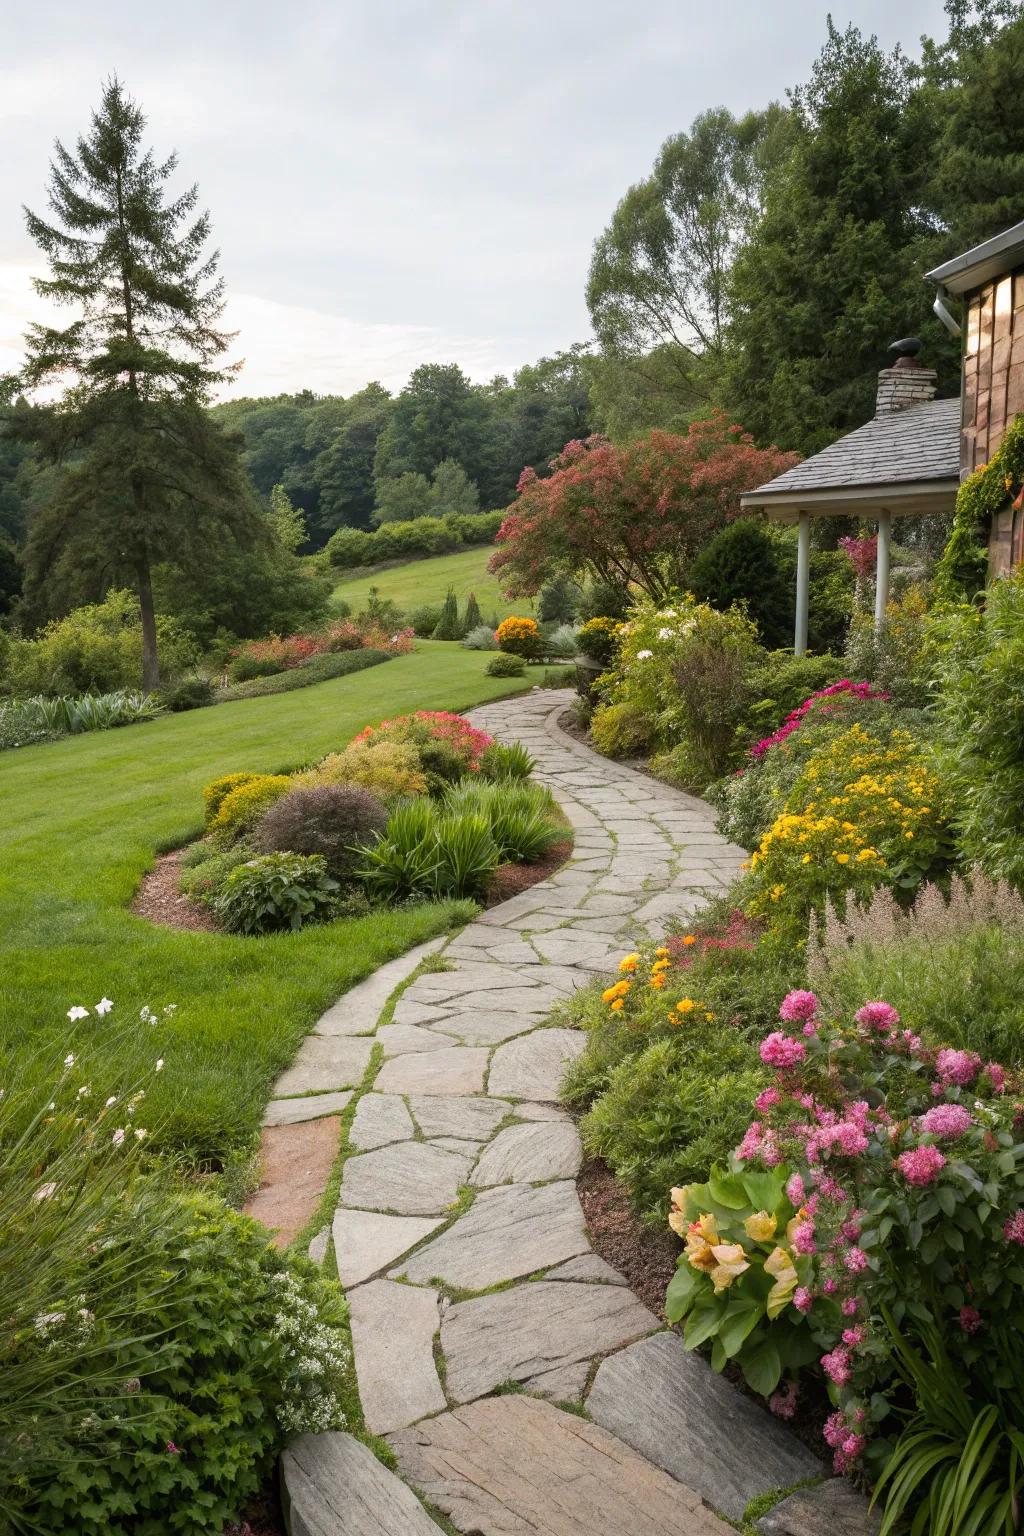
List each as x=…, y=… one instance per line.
x=880, y=1184
x=157, y=1350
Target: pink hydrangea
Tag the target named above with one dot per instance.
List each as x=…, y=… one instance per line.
x=879, y=1016
x=782, y=1052
x=783, y=1404
x=830, y=1286
x=921, y=1165
x=798, y=1005
x=959, y=1068
x=768, y=1099
x=845, y=1137
x=803, y=1238
x=836, y=1365
x=850, y=1307
x=996, y=1076
x=795, y=1189
x=856, y=1260
x=947, y=1120
x=1013, y=1228
x=803, y=1299
x=970, y=1319
x=851, y=1230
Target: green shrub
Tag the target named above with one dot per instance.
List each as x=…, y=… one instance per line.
x=391, y=769
x=742, y=564
x=596, y=639
x=425, y=619
x=506, y=762
x=448, y=626
x=481, y=639
x=781, y=682
x=381, y=611
x=325, y=819
x=897, y=659
x=242, y=807
x=558, y=601
x=278, y=890
x=505, y=665
x=603, y=600
x=202, y=880
x=471, y=619
x=190, y=693
x=348, y=547
x=158, y=1352
x=318, y=669
x=620, y=730
x=97, y=648
x=245, y=668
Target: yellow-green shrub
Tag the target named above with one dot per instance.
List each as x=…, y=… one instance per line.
x=389, y=768
x=620, y=730
x=242, y=807
x=218, y=789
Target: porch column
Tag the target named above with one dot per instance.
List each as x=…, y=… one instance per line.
x=882, y=570
x=803, y=582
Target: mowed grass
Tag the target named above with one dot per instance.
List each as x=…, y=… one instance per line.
x=426, y=581
x=82, y=820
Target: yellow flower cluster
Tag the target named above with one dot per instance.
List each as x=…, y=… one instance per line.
x=686, y=1006
x=723, y=1262
x=616, y=995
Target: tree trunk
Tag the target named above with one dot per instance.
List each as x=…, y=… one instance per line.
x=150, y=659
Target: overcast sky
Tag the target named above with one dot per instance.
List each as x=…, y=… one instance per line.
x=397, y=181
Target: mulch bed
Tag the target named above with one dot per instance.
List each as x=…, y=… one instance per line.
x=645, y=1256
x=509, y=879
x=159, y=900
x=263, y=1517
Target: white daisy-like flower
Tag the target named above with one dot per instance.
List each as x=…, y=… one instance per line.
x=664, y=634
x=69, y=1060
x=160, y=1064
x=118, y=1137
x=76, y=1013
x=147, y=1015
x=104, y=1006
x=644, y=655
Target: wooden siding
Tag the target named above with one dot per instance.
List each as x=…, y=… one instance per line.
x=993, y=385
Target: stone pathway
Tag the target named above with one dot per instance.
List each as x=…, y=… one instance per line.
x=460, y=1237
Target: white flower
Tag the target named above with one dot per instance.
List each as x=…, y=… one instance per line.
x=140, y=1134
x=84, y=1091
x=664, y=634
x=44, y=1192
x=118, y=1137
x=669, y=613
x=160, y=1064
x=112, y=1100
x=644, y=655
x=69, y=1060
x=76, y=1013
x=147, y=1015
x=104, y=1006
x=170, y=1010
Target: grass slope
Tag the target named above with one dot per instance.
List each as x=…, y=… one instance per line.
x=427, y=581
x=82, y=819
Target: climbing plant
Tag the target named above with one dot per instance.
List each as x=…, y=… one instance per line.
x=964, y=564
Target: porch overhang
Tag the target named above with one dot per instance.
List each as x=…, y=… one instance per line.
x=906, y=498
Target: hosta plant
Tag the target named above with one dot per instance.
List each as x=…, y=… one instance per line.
x=277, y=890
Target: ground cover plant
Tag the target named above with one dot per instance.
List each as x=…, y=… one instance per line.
x=82, y=819
x=157, y=1350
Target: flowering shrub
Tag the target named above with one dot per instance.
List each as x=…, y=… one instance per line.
x=596, y=638
x=241, y=808
x=864, y=811
x=844, y=688
x=520, y=637
x=258, y=658
x=157, y=1350
x=881, y=1178
x=390, y=769
x=446, y=745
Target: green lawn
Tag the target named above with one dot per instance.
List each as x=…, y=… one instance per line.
x=81, y=821
x=427, y=581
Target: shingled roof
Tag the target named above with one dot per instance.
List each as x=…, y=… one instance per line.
x=914, y=446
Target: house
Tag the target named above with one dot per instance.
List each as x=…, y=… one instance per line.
x=910, y=458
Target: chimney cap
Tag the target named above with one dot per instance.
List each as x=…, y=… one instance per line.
x=907, y=346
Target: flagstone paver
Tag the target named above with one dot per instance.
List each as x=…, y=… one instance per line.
x=312, y=1107
x=463, y=1173
x=334, y=1483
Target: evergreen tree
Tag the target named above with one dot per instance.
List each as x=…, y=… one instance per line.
x=741, y=564
x=146, y=474
x=832, y=271
x=448, y=626
x=471, y=618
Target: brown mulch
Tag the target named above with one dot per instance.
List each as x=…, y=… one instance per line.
x=643, y=1255
x=263, y=1517
x=159, y=900
x=509, y=879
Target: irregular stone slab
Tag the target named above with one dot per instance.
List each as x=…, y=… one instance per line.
x=479, y=1026
x=476, y=1119
x=411, y=1178
x=528, y=1154
x=540, y=1112
x=296, y=1163
x=380, y=1118
x=318, y=1245
x=356, y=1012
x=336, y=1062
x=590, y=1267
x=409, y=1012
x=312, y=1107
x=835, y=1507
x=515, y=1334
x=471, y=976
x=672, y=1408
x=333, y=1483
x=400, y=1039
x=366, y=1241
x=537, y=1002
x=514, y=952
x=533, y=1066
x=505, y=1233
x=562, y=1386
x=457, y=1069
x=455, y=1144
x=393, y=1329
x=515, y=1466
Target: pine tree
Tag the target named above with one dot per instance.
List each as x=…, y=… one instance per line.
x=471, y=618
x=448, y=627
x=146, y=476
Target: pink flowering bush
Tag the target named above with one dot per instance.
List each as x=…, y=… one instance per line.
x=827, y=701
x=879, y=1188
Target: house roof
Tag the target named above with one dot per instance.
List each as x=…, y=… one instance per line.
x=989, y=259
x=905, y=462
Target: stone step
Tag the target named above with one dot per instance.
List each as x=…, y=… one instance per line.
x=333, y=1485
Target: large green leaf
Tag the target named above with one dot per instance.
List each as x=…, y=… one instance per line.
x=703, y=1321
x=762, y=1368
x=683, y=1286
x=741, y=1317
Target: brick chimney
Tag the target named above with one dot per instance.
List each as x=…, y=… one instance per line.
x=906, y=382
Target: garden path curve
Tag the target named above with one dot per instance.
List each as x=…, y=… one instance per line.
x=456, y=1297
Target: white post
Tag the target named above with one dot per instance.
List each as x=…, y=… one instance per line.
x=882, y=570
x=803, y=582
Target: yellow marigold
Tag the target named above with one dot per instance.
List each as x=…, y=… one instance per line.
x=842, y=858
x=689, y=938
x=657, y=982
x=617, y=1005
x=685, y=1005
x=629, y=963
x=661, y=951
